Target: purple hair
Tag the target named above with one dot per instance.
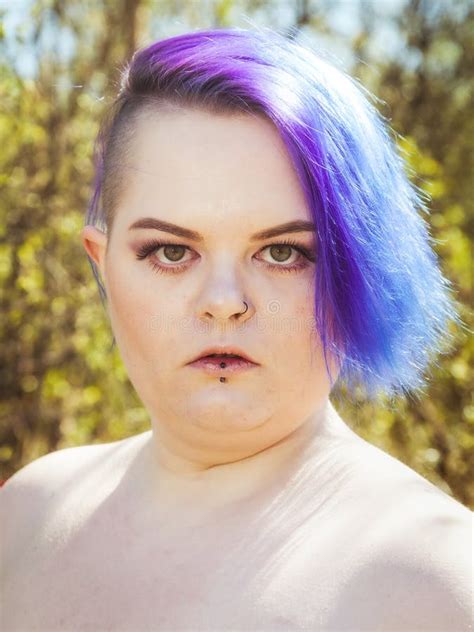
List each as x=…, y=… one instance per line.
x=382, y=305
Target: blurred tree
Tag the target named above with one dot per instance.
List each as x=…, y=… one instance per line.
x=60, y=383
x=56, y=371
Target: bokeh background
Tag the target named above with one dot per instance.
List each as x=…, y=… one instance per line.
x=61, y=383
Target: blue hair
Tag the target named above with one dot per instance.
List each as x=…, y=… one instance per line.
x=382, y=305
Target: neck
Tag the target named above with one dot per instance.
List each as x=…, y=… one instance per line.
x=181, y=482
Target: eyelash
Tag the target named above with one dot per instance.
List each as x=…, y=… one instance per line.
x=148, y=247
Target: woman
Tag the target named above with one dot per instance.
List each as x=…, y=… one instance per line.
x=255, y=240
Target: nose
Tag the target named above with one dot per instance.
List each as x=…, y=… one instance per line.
x=223, y=298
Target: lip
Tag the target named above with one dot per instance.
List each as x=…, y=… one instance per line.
x=225, y=349
x=226, y=366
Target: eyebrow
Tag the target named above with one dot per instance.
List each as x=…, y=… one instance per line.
x=295, y=226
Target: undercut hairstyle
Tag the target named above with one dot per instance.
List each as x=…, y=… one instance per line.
x=382, y=306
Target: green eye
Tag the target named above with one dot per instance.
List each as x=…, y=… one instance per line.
x=281, y=252
x=173, y=252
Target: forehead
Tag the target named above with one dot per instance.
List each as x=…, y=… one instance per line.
x=190, y=166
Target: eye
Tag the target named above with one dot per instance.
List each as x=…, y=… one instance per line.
x=281, y=252
x=172, y=253
x=288, y=250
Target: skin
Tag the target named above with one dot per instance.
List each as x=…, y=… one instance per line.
x=226, y=177
x=250, y=505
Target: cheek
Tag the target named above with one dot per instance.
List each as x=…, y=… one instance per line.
x=300, y=353
x=293, y=321
x=149, y=321
x=132, y=302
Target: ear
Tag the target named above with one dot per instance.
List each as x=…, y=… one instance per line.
x=95, y=244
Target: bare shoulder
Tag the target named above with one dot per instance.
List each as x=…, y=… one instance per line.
x=415, y=566
x=29, y=499
x=54, y=469
x=45, y=468
x=39, y=478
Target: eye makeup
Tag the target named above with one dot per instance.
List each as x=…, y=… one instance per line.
x=148, y=248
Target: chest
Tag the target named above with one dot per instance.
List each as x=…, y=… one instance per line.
x=247, y=575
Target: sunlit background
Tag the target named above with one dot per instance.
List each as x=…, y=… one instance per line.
x=61, y=383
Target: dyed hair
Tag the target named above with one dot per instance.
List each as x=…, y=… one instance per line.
x=381, y=303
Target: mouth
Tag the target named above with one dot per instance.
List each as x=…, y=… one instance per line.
x=223, y=363
x=224, y=352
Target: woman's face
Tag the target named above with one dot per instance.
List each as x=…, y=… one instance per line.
x=226, y=179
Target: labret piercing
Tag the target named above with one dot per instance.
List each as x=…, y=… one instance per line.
x=223, y=364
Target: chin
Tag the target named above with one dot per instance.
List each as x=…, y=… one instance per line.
x=224, y=410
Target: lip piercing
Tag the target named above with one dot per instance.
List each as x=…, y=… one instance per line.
x=223, y=364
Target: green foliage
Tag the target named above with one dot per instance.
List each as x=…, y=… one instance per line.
x=61, y=383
